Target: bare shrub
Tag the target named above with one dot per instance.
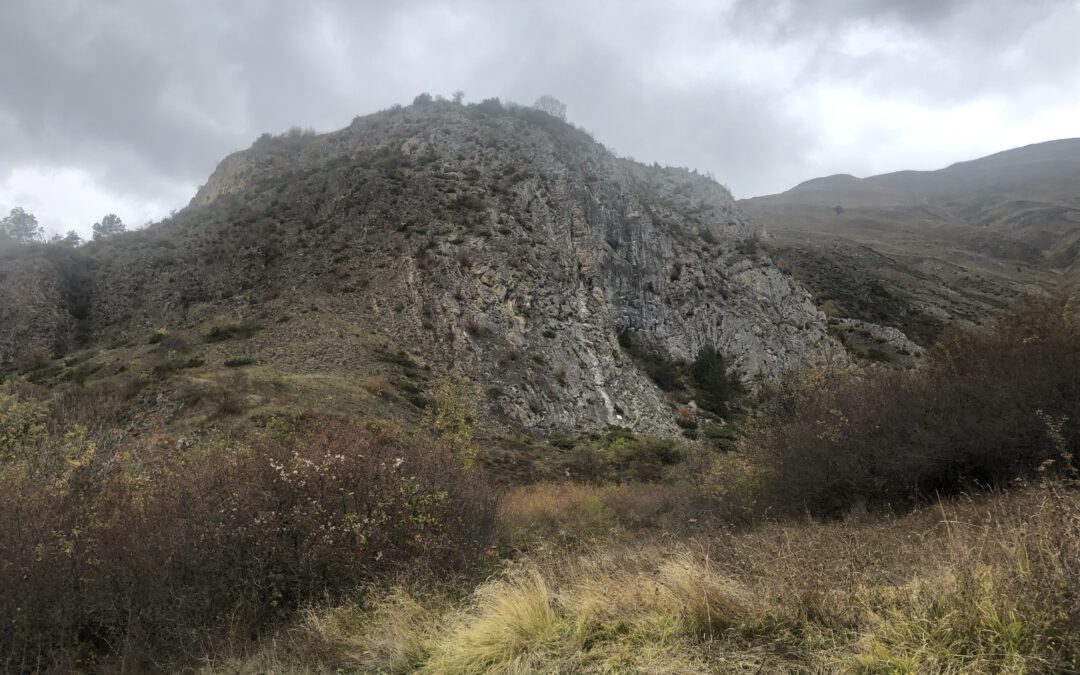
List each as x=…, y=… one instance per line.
x=580, y=512
x=989, y=406
x=377, y=384
x=102, y=559
x=33, y=358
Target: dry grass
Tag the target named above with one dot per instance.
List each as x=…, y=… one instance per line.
x=973, y=586
x=387, y=636
x=565, y=512
x=512, y=627
x=377, y=385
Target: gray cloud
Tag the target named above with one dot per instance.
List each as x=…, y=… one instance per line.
x=145, y=98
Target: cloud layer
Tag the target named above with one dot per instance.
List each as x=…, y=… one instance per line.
x=126, y=105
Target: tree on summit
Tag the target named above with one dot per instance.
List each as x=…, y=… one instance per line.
x=71, y=239
x=552, y=106
x=110, y=225
x=21, y=225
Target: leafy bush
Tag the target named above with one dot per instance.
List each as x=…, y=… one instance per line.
x=22, y=426
x=229, y=331
x=621, y=456
x=665, y=372
x=714, y=386
x=749, y=246
x=989, y=406
x=105, y=558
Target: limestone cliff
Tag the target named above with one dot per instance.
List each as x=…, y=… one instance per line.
x=499, y=240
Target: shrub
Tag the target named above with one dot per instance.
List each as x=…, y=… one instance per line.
x=657, y=365
x=229, y=397
x=621, y=456
x=239, y=362
x=713, y=384
x=453, y=414
x=229, y=331
x=104, y=558
x=685, y=417
x=33, y=358
x=490, y=106
x=749, y=246
x=191, y=362
x=579, y=512
x=989, y=406
x=377, y=384
x=22, y=427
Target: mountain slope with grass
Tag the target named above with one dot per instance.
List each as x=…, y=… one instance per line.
x=455, y=390
x=496, y=239
x=916, y=250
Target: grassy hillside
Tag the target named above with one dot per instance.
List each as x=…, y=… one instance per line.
x=932, y=246
x=870, y=521
x=979, y=586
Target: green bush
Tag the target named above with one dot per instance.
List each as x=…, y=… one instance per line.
x=229, y=331
x=22, y=427
x=666, y=373
x=714, y=385
x=620, y=456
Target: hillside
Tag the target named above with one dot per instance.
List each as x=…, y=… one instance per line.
x=917, y=249
x=456, y=390
x=501, y=241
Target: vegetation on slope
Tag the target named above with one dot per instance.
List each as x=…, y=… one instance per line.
x=318, y=543
x=916, y=249
x=975, y=586
x=112, y=554
x=987, y=406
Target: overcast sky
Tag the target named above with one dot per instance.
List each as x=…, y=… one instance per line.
x=128, y=105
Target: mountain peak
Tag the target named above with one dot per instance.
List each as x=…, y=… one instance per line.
x=495, y=239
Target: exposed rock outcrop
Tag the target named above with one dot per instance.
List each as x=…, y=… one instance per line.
x=501, y=241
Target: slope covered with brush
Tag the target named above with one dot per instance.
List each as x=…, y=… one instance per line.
x=495, y=239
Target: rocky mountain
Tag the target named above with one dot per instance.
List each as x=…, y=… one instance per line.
x=916, y=249
x=496, y=239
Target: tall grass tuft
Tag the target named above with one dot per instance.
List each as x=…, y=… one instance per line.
x=511, y=628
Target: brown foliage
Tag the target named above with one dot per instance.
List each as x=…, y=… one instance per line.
x=987, y=407
x=106, y=560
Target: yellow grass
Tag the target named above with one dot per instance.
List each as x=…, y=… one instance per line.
x=986, y=585
x=512, y=627
x=581, y=511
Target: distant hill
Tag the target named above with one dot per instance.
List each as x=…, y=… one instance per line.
x=916, y=249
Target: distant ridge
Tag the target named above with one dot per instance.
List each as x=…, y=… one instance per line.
x=921, y=248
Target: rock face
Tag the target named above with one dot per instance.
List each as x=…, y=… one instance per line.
x=500, y=241
x=44, y=299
